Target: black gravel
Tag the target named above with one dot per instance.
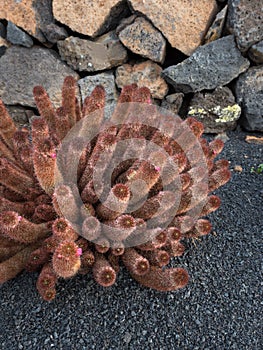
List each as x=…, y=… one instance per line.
x=221, y=308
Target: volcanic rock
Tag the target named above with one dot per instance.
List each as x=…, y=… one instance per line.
x=183, y=23
x=90, y=56
x=245, y=21
x=106, y=79
x=214, y=64
x=249, y=93
x=30, y=15
x=143, y=39
x=23, y=68
x=90, y=17
x=144, y=74
x=218, y=110
x=256, y=52
x=17, y=36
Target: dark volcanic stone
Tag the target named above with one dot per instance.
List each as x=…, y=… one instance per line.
x=90, y=56
x=23, y=68
x=214, y=64
x=218, y=110
x=249, y=93
x=173, y=102
x=245, y=21
x=143, y=39
x=53, y=33
x=17, y=36
x=256, y=52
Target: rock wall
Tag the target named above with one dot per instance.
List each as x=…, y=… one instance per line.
x=202, y=58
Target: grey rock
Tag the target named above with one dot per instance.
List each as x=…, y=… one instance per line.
x=216, y=29
x=3, y=46
x=20, y=115
x=256, y=53
x=23, y=68
x=218, y=110
x=54, y=33
x=91, y=56
x=249, y=93
x=214, y=64
x=173, y=102
x=244, y=20
x=143, y=39
x=17, y=36
x=106, y=79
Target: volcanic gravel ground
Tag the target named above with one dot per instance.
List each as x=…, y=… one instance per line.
x=221, y=308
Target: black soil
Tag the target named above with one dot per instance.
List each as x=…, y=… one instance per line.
x=221, y=308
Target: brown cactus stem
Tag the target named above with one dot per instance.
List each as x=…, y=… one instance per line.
x=14, y=265
x=106, y=141
x=21, y=230
x=102, y=245
x=23, y=208
x=11, y=195
x=189, y=198
x=103, y=272
x=51, y=243
x=15, y=179
x=48, y=294
x=219, y=178
x=114, y=261
x=44, y=106
x=158, y=241
x=66, y=259
x=69, y=99
x=94, y=102
x=91, y=228
x=120, y=228
x=6, y=152
x=44, y=159
x=40, y=130
x=62, y=230
x=183, y=223
x=173, y=234
x=65, y=197
x=62, y=124
x=196, y=126
x=37, y=258
x=117, y=199
x=82, y=243
x=158, y=257
x=212, y=204
x=161, y=203
x=23, y=150
x=44, y=212
x=146, y=172
x=7, y=126
x=8, y=252
x=88, y=195
x=201, y=228
x=117, y=248
x=216, y=146
x=219, y=164
x=175, y=248
x=135, y=262
x=87, y=210
x=47, y=279
x=163, y=280
x=87, y=258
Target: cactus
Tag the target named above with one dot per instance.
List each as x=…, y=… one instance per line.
x=42, y=226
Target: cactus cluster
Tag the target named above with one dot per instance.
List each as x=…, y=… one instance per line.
x=43, y=229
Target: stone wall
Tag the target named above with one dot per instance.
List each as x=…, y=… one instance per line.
x=202, y=58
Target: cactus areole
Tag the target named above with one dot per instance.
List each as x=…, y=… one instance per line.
x=89, y=187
